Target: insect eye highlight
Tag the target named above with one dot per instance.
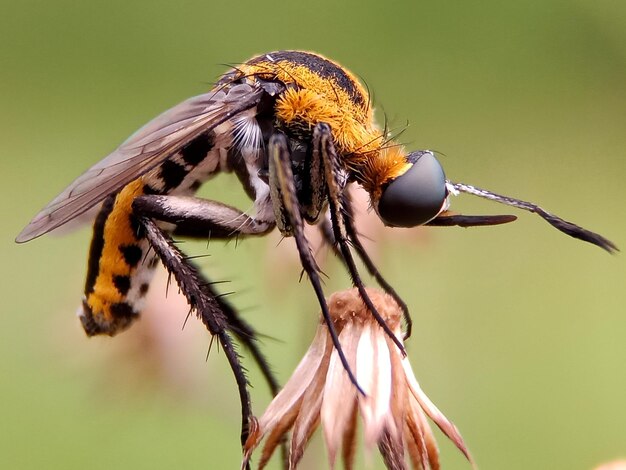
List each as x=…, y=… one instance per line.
x=416, y=196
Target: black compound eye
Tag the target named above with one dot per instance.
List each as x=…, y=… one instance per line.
x=416, y=196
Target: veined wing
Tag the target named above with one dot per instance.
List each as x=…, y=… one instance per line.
x=143, y=151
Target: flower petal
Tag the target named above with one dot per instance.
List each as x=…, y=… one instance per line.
x=392, y=451
x=417, y=459
x=309, y=415
x=310, y=365
x=417, y=428
x=431, y=444
x=349, y=440
x=284, y=408
x=277, y=434
x=399, y=392
x=448, y=428
x=339, y=399
x=373, y=373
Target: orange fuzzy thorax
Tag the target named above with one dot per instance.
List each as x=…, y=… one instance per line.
x=312, y=98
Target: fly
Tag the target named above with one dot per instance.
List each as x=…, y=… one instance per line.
x=296, y=129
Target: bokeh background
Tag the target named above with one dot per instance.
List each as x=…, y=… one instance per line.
x=520, y=333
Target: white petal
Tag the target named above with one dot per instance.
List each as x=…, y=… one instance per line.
x=339, y=393
x=308, y=417
x=295, y=388
x=373, y=374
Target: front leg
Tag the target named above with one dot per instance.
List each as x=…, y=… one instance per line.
x=289, y=220
x=340, y=211
x=326, y=230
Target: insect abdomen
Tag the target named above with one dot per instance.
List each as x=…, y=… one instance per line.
x=120, y=267
x=121, y=264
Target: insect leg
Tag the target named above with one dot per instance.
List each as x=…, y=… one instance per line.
x=327, y=232
x=207, y=307
x=248, y=337
x=284, y=195
x=246, y=334
x=200, y=218
x=324, y=148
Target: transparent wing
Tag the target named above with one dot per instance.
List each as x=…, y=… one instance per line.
x=143, y=151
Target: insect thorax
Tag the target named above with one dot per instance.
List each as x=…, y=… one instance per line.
x=318, y=90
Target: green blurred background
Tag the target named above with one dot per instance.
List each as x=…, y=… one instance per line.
x=520, y=333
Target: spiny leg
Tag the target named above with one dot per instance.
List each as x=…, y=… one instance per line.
x=245, y=334
x=201, y=218
x=207, y=308
x=284, y=195
x=324, y=148
x=205, y=219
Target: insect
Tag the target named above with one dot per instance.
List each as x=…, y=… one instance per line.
x=296, y=129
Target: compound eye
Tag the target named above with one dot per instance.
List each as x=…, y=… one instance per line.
x=416, y=196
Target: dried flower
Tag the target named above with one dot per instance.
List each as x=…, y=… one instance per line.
x=393, y=410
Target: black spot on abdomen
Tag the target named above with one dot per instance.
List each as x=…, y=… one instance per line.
x=122, y=310
x=197, y=150
x=172, y=174
x=132, y=254
x=143, y=289
x=122, y=284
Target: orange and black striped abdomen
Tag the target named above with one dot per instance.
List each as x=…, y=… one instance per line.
x=121, y=264
x=120, y=267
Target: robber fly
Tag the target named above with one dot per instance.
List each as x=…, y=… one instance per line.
x=296, y=129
